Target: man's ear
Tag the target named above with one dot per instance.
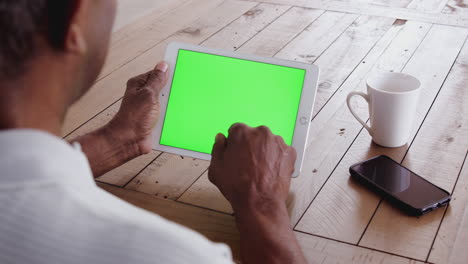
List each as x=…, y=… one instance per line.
x=75, y=38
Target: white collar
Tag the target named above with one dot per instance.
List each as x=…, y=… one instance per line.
x=31, y=156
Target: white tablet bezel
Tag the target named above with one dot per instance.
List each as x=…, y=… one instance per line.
x=304, y=116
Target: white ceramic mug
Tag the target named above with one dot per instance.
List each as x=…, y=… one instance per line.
x=393, y=100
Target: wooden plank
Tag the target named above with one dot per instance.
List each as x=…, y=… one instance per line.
x=316, y=38
x=222, y=228
x=357, y=40
x=111, y=88
x=346, y=53
x=343, y=208
x=457, y=7
x=97, y=122
x=325, y=251
x=463, y=56
x=245, y=27
x=452, y=238
x=168, y=176
x=136, y=38
x=429, y=6
x=437, y=154
x=281, y=32
x=377, y=10
x=391, y=3
x=123, y=174
x=205, y=194
x=129, y=11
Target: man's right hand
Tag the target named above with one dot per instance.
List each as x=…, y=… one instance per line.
x=253, y=168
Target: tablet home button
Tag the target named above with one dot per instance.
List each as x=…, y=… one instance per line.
x=304, y=120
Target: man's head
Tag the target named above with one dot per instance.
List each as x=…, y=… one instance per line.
x=70, y=35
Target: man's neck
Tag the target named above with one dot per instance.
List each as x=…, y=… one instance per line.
x=35, y=100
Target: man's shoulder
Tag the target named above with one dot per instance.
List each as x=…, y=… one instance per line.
x=151, y=232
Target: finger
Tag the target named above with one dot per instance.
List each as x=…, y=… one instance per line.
x=264, y=129
x=218, y=147
x=292, y=153
x=158, y=77
x=139, y=81
x=281, y=141
x=235, y=127
x=237, y=130
x=293, y=156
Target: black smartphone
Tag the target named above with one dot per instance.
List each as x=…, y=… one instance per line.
x=404, y=188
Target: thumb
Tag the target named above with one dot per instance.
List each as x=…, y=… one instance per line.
x=158, y=77
x=218, y=147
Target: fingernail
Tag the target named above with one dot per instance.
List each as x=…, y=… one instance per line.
x=162, y=66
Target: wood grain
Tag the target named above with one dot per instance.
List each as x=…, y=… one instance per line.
x=152, y=29
x=437, y=154
x=205, y=194
x=428, y=6
x=342, y=57
x=458, y=7
x=281, y=31
x=346, y=206
x=391, y=3
x=451, y=241
x=130, y=11
x=168, y=176
x=245, y=27
x=325, y=251
x=316, y=38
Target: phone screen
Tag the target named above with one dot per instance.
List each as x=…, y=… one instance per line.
x=400, y=182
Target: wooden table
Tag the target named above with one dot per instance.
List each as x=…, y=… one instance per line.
x=336, y=220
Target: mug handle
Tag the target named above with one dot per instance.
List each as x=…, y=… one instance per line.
x=348, y=101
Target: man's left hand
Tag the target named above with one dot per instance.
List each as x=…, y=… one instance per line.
x=139, y=110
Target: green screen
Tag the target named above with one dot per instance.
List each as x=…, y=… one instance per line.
x=209, y=93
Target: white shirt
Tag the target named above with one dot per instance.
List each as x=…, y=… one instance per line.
x=51, y=211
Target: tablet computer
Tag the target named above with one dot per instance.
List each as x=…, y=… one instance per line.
x=210, y=89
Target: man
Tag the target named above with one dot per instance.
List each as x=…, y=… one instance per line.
x=51, y=210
